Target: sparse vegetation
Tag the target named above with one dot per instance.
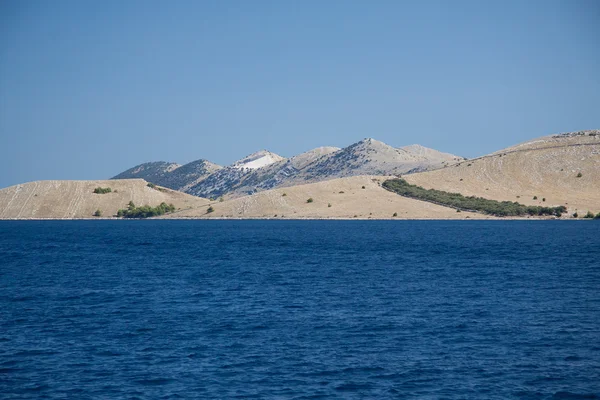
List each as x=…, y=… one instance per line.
x=98, y=213
x=589, y=215
x=210, y=209
x=153, y=186
x=575, y=215
x=597, y=216
x=579, y=175
x=100, y=190
x=341, y=192
x=470, y=203
x=328, y=204
x=221, y=199
x=309, y=200
x=284, y=194
x=395, y=214
x=544, y=199
x=364, y=187
x=535, y=197
x=145, y=211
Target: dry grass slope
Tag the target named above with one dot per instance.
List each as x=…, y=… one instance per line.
x=547, y=167
x=75, y=199
x=291, y=203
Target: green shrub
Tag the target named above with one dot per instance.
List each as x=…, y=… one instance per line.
x=283, y=195
x=364, y=187
x=395, y=214
x=98, y=213
x=145, y=211
x=597, y=216
x=470, y=203
x=543, y=199
x=221, y=199
x=579, y=175
x=589, y=215
x=153, y=186
x=575, y=215
x=341, y=192
x=328, y=204
x=210, y=209
x=100, y=190
x=535, y=197
x=309, y=200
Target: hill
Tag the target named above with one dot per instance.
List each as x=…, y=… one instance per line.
x=562, y=169
x=154, y=171
x=76, y=199
x=372, y=157
x=171, y=175
x=346, y=196
x=236, y=182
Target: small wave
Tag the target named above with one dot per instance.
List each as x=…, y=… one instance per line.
x=155, y=382
x=574, y=396
x=352, y=387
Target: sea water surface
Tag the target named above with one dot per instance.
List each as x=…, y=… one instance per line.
x=300, y=309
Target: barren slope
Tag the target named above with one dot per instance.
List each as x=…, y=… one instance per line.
x=546, y=167
x=75, y=199
x=371, y=202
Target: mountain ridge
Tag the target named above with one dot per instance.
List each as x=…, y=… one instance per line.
x=264, y=170
x=551, y=171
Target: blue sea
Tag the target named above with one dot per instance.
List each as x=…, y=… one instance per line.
x=300, y=309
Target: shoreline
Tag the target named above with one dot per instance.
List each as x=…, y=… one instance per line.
x=485, y=218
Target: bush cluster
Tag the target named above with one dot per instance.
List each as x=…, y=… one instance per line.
x=100, y=190
x=591, y=215
x=145, y=211
x=470, y=203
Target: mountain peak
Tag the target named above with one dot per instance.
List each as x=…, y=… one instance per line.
x=302, y=160
x=431, y=154
x=256, y=160
x=371, y=142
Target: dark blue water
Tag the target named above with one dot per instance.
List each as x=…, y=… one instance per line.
x=280, y=309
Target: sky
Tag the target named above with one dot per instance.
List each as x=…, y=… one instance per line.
x=91, y=88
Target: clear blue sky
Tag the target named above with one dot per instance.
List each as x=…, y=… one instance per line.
x=88, y=89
